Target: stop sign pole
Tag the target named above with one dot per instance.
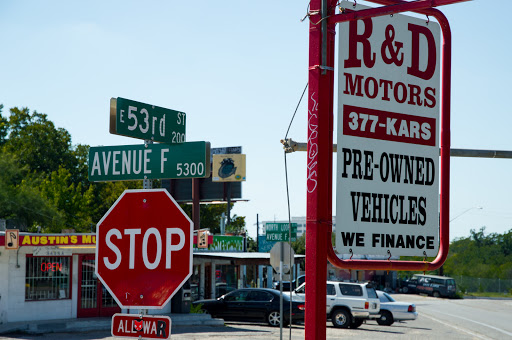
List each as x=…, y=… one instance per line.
x=144, y=249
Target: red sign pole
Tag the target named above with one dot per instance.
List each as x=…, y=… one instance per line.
x=319, y=176
x=319, y=168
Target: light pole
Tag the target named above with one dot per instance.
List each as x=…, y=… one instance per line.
x=465, y=211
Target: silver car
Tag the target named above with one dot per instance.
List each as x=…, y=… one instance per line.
x=392, y=310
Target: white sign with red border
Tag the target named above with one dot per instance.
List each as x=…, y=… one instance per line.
x=387, y=196
x=141, y=326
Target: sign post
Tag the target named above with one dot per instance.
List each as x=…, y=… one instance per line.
x=323, y=22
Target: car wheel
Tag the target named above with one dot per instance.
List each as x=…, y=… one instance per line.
x=386, y=318
x=356, y=323
x=405, y=290
x=436, y=295
x=274, y=319
x=341, y=318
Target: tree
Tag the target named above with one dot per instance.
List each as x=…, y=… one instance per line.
x=252, y=245
x=20, y=198
x=481, y=255
x=37, y=143
x=237, y=225
x=4, y=127
x=74, y=202
x=210, y=216
x=299, y=246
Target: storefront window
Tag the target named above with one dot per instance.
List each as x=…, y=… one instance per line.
x=195, y=285
x=47, y=278
x=226, y=279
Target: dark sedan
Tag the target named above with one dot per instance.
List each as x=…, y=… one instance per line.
x=255, y=304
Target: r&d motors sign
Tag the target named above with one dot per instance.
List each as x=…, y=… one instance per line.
x=388, y=137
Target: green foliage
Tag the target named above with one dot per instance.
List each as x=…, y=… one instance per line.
x=4, y=127
x=71, y=199
x=480, y=255
x=237, y=225
x=299, y=246
x=209, y=215
x=197, y=309
x=37, y=143
x=20, y=198
x=44, y=180
x=252, y=245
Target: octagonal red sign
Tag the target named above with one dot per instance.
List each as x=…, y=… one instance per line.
x=144, y=248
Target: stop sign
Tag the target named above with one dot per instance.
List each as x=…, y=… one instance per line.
x=144, y=248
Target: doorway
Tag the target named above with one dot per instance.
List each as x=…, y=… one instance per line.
x=94, y=299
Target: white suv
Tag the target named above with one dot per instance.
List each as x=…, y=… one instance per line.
x=348, y=303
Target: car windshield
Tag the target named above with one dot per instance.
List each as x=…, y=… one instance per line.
x=385, y=297
x=372, y=294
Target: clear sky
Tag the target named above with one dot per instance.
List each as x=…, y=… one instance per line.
x=237, y=68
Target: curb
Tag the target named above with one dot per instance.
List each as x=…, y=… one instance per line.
x=95, y=324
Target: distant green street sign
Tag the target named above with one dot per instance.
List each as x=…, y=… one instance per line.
x=279, y=232
x=280, y=236
x=280, y=227
x=154, y=161
x=145, y=121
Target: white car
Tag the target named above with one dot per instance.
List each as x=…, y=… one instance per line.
x=392, y=310
x=348, y=304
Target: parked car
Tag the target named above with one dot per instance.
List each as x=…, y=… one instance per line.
x=253, y=304
x=348, y=304
x=434, y=285
x=392, y=310
x=409, y=286
x=286, y=284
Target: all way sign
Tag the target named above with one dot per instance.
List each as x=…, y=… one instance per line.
x=151, y=161
x=147, y=327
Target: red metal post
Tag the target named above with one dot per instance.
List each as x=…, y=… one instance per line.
x=319, y=163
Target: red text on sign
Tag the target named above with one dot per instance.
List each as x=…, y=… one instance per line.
x=391, y=50
x=51, y=267
x=390, y=126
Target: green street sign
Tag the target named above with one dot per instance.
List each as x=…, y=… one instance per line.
x=151, y=161
x=280, y=236
x=145, y=121
x=280, y=227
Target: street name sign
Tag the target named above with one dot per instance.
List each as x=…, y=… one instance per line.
x=150, y=161
x=280, y=237
x=279, y=232
x=144, y=249
x=147, y=327
x=387, y=198
x=145, y=121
